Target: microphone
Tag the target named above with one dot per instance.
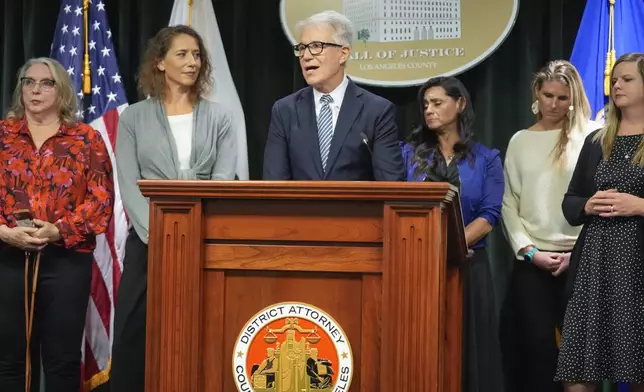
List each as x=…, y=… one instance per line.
x=365, y=141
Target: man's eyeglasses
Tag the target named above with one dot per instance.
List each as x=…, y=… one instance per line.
x=315, y=48
x=30, y=84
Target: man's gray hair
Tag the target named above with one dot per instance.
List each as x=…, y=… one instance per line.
x=341, y=25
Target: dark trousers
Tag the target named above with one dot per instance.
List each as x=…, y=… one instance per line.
x=533, y=311
x=62, y=295
x=128, y=348
x=482, y=365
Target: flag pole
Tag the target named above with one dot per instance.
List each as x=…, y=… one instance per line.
x=87, y=85
x=607, y=385
x=610, y=54
x=190, y=4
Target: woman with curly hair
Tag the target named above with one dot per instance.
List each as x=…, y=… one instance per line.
x=174, y=135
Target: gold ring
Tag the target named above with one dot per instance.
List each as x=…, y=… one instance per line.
x=612, y=208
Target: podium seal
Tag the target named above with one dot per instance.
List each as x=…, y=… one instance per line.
x=292, y=347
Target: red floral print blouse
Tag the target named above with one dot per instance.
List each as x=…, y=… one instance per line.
x=67, y=182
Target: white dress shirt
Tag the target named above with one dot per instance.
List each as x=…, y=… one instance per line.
x=181, y=126
x=337, y=95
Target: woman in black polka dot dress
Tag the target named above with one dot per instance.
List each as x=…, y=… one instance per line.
x=603, y=331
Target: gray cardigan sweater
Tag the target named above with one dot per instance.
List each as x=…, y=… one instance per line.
x=145, y=149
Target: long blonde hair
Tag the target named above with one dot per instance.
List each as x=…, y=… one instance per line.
x=566, y=73
x=608, y=133
x=67, y=104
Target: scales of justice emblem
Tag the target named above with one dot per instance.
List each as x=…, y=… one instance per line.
x=292, y=347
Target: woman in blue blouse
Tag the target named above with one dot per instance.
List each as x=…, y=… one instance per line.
x=442, y=149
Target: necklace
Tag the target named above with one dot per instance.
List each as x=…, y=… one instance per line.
x=628, y=154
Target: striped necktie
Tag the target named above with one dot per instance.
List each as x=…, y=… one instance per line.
x=325, y=128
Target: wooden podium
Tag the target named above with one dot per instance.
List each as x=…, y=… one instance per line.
x=380, y=257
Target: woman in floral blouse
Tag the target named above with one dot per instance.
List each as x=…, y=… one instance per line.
x=56, y=195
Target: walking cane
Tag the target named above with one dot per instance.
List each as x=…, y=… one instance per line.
x=29, y=311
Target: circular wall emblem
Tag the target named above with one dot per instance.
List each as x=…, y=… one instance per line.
x=404, y=43
x=292, y=347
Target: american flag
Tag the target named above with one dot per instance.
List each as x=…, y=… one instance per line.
x=101, y=109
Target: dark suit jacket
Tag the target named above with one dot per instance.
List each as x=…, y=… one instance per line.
x=292, y=149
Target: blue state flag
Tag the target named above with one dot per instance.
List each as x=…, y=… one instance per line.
x=594, y=41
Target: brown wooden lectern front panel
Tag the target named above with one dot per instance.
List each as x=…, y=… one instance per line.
x=303, y=286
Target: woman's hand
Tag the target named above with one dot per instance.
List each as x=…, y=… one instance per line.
x=593, y=205
x=22, y=237
x=547, y=261
x=46, y=230
x=619, y=204
x=564, y=259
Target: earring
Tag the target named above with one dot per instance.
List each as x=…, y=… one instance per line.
x=535, y=107
x=570, y=109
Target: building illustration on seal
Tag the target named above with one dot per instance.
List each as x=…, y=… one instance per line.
x=292, y=364
x=404, y=20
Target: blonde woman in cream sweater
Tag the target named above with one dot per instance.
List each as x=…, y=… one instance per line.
x=538, y=166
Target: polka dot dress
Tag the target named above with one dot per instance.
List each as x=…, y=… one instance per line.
x=603, y=332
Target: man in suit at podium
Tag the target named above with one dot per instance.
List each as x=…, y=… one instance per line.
x=333, y=129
